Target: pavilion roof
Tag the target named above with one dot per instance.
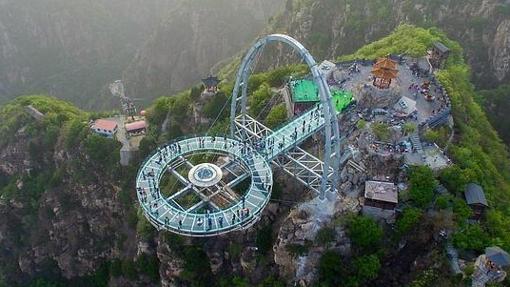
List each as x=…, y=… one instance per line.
x=211, y=81
x=385, y=68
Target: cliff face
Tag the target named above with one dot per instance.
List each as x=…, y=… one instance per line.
x=71, y=49
x=62, y=216
x=193, y=39
x=332, y=28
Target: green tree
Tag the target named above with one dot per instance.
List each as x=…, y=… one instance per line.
x=258, y=100
x=461, y=210
x=215, y=105
x=366, y=268
x=409, y=128
x=364, y=232
x=381, y=131
x=422, y=185
x=276, y=116
x=471, y=237
x=129, y=269
x=455, y=179
x=148, y=265
x=196, y=269
x=103, y=151
x=325, y=235
x=409, y=219
x=330, y=269
x=195, y=92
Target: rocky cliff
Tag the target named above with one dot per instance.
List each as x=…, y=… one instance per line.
x=332, y=28
x=192, y=40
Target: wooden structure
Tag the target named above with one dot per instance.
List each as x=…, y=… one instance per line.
x=384, y=71
x=439, y=55
x=475, y=198
x=381, y=199
x=211, y=84
x=136, y=128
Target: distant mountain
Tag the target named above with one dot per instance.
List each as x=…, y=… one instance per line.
x=71, y=49
x=192, y=40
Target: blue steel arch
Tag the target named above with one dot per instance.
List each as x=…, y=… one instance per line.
x=331, y=128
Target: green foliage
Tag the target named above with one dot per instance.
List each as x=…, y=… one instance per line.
x=325, y=235
x=297, y=249
x=148, y=265
x=443, y=201
x=264, y=240
x=195, y=92
x=330, y=269
x=103, y=151
x=235, y=249
x=496, y=104
x=498, y=227
x=366, y=268
x=128, y=268
x=196, y=269
x=406, y=39
x=422, y=185
x=455, y=179
x=116, y=267
x=471, y=237
x=259, y=99
x=143, y=228
x=214, y=106
x=147, y=145
x=56, y=113
x=361, y=124
x=409, y=128
x=271, y=281
x=461, y=210
x=156, y=114
x=364, y=232
x=277, y=115
x=425, y=279
x=381, y=131
x=409, y=219
x=439, y=136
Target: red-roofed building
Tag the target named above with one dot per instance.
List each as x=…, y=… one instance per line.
x=104, y=127
x=138, y=127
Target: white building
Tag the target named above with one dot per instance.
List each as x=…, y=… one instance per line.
x=104, y=127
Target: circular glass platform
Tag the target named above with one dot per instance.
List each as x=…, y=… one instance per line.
x=206, y=203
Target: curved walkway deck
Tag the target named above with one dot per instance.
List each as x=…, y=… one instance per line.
x=165, y=213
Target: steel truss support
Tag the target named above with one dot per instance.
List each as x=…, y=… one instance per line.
x=328, y=183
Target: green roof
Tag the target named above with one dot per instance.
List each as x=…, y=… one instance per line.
x=306, y=91
x=341, y=99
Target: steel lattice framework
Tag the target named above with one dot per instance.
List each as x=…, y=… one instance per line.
x=207, y=204
x=297, y=162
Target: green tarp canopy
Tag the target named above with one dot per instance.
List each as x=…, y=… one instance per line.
x=306, y=91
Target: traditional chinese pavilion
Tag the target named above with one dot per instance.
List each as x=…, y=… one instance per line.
x=211, y=84
x=384, y=70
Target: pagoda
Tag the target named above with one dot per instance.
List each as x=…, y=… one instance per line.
x=384, y=70
x=211, y=84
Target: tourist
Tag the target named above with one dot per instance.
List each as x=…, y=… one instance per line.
x=200, y=221
x=220, y=221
